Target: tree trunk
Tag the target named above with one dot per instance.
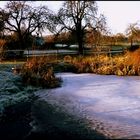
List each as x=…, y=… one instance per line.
x=21, y=44
x=20, y=40
x=131, y=42
x=80, y=44
x=80, y=37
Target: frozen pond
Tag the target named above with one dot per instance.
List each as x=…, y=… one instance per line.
x=110, y=104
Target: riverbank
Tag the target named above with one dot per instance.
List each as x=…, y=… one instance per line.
x=51, y=122
x=40, y=120
x=15, y=122
x=15, y=104
x=20, y=111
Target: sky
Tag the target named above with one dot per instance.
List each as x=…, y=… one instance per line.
x=119, y=14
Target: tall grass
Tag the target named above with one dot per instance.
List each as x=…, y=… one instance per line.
x=39, y=72
x=121, y=65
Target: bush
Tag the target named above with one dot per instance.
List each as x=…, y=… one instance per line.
x=39, y=72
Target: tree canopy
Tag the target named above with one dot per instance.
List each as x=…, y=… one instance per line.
x=22, y=19
x=78, y=17
x=133, y=32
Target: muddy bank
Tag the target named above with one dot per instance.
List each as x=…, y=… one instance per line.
x=51, y=122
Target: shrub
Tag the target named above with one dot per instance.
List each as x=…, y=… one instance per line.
x=39, y=72
x=67, y=58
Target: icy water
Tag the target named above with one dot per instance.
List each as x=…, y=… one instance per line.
x=109, y=104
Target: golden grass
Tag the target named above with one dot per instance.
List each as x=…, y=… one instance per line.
x=39, y=72
x=127, y=64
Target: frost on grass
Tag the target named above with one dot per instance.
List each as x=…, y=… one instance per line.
x=11, y=89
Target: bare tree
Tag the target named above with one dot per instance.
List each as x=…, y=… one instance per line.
x=133, y=32
x=77, y=16
x=23, y=19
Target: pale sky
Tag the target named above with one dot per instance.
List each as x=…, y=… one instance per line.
x=119, y=14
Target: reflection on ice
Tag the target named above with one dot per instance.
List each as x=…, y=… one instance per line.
x=112, y=101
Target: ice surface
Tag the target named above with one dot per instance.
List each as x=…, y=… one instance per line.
x=111, y=104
